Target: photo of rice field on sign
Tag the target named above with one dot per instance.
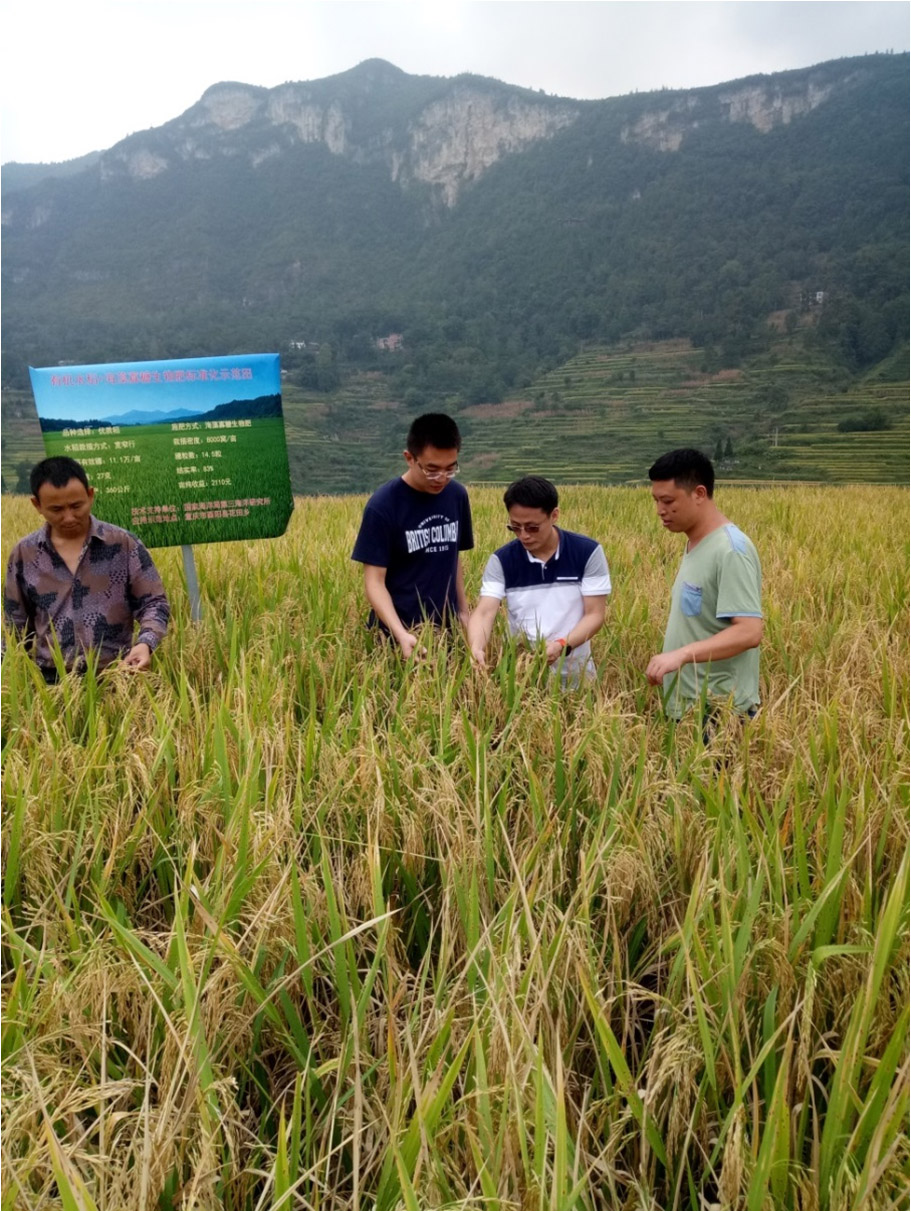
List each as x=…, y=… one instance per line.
x=180, y=452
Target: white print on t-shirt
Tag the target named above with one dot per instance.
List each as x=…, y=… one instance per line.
x=434, y=534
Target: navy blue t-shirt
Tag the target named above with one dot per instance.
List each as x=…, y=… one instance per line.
x=416, y=537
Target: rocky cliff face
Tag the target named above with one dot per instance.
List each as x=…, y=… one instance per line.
x=498, y=226
x=764, y=104
x=436, y=135
x=455, y=140
x=445, y=143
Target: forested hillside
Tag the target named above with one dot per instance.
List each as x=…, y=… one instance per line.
x=496, y=230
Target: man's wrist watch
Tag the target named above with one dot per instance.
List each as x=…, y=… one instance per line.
x=567, y=648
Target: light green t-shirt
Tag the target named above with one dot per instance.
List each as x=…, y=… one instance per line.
x=720, y=579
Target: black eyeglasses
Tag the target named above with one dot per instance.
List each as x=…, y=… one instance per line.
x=530, y=528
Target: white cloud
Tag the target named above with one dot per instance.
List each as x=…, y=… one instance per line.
x=80, y=77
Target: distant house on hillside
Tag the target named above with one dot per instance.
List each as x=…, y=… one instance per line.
x=393, y=341
x=808, y=299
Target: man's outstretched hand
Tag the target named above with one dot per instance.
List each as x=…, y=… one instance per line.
x=138, y=658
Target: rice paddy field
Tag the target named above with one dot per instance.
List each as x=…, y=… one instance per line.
x=599, y=418
x=166, y=487
x=289, y=923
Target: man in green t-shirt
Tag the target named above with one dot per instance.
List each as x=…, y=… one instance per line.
x=711, y=645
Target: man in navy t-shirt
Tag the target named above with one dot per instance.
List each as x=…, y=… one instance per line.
x=411, y=534
x=555, y=583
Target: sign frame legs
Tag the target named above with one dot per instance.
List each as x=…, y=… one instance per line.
x=189, y=570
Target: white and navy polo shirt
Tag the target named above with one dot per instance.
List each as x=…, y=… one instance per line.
x=544, y=600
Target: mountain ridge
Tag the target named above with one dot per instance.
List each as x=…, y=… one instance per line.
x=231, y=105
x=495, y=227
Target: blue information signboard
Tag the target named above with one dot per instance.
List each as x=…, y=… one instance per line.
x=179, y=452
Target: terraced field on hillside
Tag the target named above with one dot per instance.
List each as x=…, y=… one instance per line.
x=605, y=415
x=600, y=418
x=20, y=439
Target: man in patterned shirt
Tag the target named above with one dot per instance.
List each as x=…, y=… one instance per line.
x=79, y=583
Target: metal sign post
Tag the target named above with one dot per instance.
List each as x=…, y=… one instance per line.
x=189, y=571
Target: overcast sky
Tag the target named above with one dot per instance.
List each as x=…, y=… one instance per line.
x=77, y=77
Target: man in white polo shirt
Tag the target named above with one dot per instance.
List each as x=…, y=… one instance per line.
x=555, y=583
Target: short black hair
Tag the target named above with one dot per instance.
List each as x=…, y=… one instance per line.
x=58, y=471
x=433, y=429
x=688, y=469
x=534, y=492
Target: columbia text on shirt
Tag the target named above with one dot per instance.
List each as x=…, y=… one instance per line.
x=416, y=536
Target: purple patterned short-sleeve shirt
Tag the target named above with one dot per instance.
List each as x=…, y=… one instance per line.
x=116, y=587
